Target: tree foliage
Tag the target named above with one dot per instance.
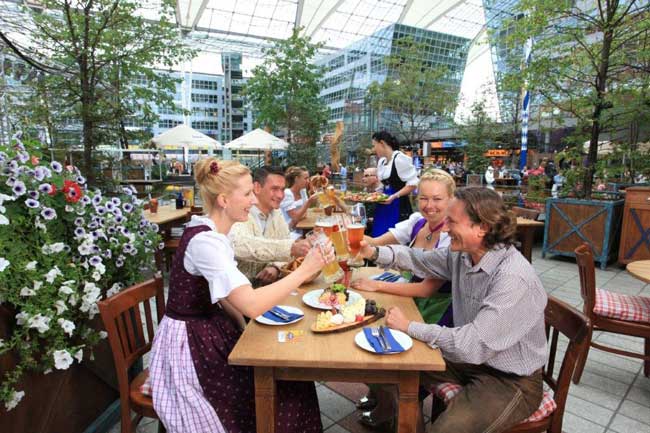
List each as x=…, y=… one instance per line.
x=479, y=132
x=96, y=59
x=414, y=94
x=586, y=56
x=284, y=94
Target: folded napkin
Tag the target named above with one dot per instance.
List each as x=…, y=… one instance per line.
x=374, y=341
x=291, y=316
x=389, y=277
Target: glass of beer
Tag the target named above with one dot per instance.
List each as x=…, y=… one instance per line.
x=356, y=230
x=332, y=271
x=340, y=243
x=326, y=225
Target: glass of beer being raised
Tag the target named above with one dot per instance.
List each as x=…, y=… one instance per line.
x=356, y=230
x=325, y=225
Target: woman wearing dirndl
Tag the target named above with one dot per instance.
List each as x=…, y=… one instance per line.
x=194, y=388
x=396, y=171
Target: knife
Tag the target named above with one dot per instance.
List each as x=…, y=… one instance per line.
x=279, y=314
x=382, y=335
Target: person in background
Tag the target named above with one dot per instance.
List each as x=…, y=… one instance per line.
x=497, y=347
x=194, y=388
x=263, y=241
x=489, y=176
x=370, y=180
x=396, y=171
x=327, y=171
x=294, y=206
x=422, y=230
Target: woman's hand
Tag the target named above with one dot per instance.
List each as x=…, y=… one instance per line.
x=317, y=258
x=366, y=284
x=395, y=319
x=391, y=198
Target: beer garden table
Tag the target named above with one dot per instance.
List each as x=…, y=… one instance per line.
x=332, y=357
x=640, y=269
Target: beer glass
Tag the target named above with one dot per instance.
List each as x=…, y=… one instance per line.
x=332, y=271
x=356, y=230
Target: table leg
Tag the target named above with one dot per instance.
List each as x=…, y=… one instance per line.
x=527, y=235
x=265, y=399
x=409, y=406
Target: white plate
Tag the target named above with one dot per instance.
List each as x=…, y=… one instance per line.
x=289, y=309
x=311, y=298
x=403, y=339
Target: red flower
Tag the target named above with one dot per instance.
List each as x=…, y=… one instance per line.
x=72, y=191
x=35, y=160
x=53, y=191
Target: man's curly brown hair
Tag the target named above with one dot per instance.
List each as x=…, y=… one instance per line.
x=483, y=205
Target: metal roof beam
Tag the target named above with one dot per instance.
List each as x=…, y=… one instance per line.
x=327, y=15
x=450, y=8
x=296, y=22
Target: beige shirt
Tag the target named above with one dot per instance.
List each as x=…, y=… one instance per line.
x=261, y=240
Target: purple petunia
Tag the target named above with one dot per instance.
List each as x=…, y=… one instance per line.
x=19, y=188
x=3, y=156
x=45, y=188
x=39, y=173
x=48, y=213
x=119, y=219
x=85, y=200
x=97, y=199
x=33, y=194
x=92, y=225
x=117, y=212
x=109, y=206
x=23, y=157
x=78, y=221
x=81, y=180
x=56, y=166
x=95, y=260
x=31, y=203
x=111, y=230
x=128, y=207
x=79, y=232
x=101, y=210
x=13, y=165
x=116, y=201
x=107, y=254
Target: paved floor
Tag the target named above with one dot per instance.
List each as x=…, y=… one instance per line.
x=613, y=395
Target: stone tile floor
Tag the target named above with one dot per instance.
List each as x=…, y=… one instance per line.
x=613, y=395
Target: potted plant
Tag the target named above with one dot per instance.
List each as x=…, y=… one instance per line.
x=64, y=247
x=584, y=56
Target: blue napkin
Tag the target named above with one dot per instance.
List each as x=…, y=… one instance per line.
x=291, y=316
x=374, y=342
x=389, y=277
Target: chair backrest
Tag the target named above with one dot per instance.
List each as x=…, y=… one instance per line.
x=587, y=271
x=523, y=212
x=562, y=319
x=122, y=317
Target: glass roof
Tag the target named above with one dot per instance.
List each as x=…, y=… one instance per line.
x=249, y=25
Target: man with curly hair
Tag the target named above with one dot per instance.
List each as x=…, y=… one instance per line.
x=498, y=346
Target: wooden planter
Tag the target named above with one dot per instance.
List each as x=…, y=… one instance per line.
x=80, y=399
x=635, y=237
x=571, y=222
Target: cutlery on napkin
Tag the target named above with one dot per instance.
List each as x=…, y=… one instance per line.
x=277, y=314
x=392, y=346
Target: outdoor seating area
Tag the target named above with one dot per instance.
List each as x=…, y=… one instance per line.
x=324, y=216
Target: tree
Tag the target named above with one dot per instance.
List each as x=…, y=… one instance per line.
x=96, y=59
x=284, y=94
x=478, y=131
x=584, y=54
x=414, y=93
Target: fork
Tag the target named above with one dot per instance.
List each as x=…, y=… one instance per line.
x=375, y=333
x=279, y=314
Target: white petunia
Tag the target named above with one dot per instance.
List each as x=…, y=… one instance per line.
x=66, y=290
x=21, y=318
x=39, y=322
x=14, y=400
x=60, y=306
x=79, y=356
x=62, y=359
x=4, y=263
x=103, y=335
x=31, y=265
x=115, y=289
x=3, y=220
x=52, y=274
x=2, y=343
x=66, y=325
x=26, y=291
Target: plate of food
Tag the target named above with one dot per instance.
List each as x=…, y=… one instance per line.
x=292, y=266
x=349, y=316
x=332, y=297
x=364, y=197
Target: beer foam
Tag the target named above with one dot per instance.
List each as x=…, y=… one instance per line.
x=356, y=226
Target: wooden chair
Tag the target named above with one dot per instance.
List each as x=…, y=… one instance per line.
x=172, y=244
x=560, y=318
x=122, y=319
x=523, y=212
x=611, y=312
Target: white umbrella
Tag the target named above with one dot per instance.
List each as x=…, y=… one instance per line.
x=185, y=137
x=258, y=140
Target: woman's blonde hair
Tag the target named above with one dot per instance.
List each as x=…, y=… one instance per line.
x=216, y=177
x=437, y=175
x=292, y=174
x=318, y=181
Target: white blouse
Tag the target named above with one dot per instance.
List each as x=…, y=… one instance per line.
x=210, y=255
x=403, y=229
x=288, y=203
x=404, y=165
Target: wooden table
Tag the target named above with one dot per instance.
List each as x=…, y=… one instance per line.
x=333, y=357
x=166, y=214
x=526, y=231
x=309, y=220
x=640, y=269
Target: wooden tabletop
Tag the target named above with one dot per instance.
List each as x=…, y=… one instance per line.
x=640, y=269
x=309, y=220
x=166, y=214
x=525, y=222
x=259, y=346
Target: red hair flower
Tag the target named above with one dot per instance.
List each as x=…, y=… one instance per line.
x=214, y=167
x=72, y=191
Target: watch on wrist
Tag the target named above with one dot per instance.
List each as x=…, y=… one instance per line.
x=375, y=255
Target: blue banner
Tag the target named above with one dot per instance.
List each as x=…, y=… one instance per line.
x=525, y=110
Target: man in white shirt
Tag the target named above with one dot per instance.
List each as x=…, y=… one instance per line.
x=265, y=238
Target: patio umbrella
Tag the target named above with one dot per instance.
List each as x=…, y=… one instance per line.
x=182, y=136
x=258, y=140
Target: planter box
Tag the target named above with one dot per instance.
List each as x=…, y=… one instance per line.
x=571, y=222
x=68, y=401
